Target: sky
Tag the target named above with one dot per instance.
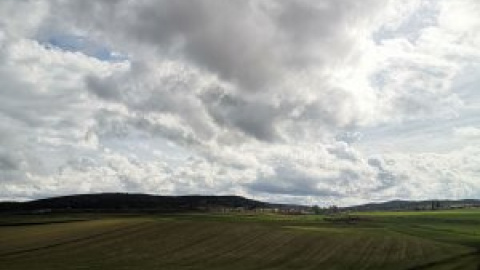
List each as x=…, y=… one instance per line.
x=311, y=102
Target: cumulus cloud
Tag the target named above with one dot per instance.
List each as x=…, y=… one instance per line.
x=271, y=99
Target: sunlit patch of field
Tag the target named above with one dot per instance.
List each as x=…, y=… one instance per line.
x=378, y=241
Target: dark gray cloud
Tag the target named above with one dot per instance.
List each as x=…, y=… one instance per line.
x=9, y=162
x=295, y=187
x=289, y=181
x=257, y=118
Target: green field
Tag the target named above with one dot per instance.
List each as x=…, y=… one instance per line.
x=381, y=240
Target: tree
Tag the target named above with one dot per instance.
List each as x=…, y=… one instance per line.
x=333, y=209
x=316, y=210
x=436, y=205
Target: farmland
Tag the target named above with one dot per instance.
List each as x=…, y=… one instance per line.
x=376, y=240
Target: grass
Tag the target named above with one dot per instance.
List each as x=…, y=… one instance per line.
x=380, y=240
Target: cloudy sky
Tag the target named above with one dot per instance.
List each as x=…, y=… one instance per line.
x=315, y=102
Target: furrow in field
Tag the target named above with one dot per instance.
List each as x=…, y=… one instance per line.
x=62, y=242
x=232, y=243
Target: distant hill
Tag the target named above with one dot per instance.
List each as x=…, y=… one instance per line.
x=121, y=202
x=124, y=202
x=399, y=205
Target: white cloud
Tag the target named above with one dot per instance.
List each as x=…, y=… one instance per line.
x=272, y=99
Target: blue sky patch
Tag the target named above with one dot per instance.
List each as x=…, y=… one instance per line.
x=75, y=43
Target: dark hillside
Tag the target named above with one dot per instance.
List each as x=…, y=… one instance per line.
x=132, y=202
